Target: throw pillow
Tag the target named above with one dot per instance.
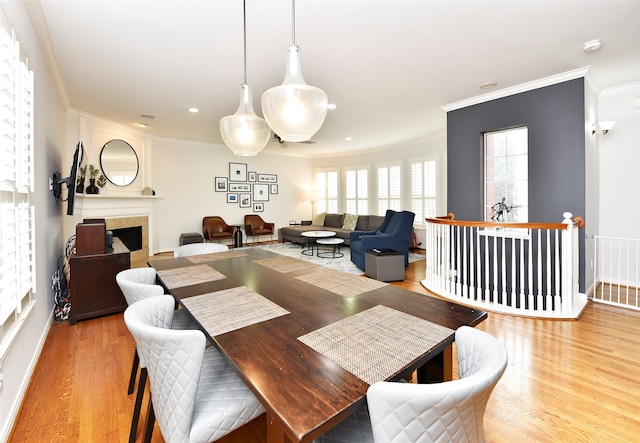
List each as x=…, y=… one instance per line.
x=350, y=221
x=318, y=220
x=333, y=220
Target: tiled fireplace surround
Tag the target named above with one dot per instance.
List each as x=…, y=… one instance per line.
x=122, y=211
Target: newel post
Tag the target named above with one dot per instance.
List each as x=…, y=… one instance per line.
x=567, y=262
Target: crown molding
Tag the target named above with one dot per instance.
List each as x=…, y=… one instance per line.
x=524, y=87
x=622, y=89
x=42, y=31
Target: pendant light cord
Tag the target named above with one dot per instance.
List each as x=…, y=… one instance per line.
x=293, y=21
x=244, y=20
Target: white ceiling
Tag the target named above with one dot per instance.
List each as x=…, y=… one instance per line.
x=389, y=66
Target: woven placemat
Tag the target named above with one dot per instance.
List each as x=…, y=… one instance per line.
x=341, y=283
x=189, y=275
x=285, y=264
x=230, y=309
x=202, y=258
x=376, y=343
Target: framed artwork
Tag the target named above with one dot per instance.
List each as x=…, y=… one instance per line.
x=232, y=198
x=273, y=189
x=239, y=187
x=221, y=184
x=245, y=200
x=258, y=207
x=252, y=176
x=260, y=193
x=237, y=172
x=267, y=178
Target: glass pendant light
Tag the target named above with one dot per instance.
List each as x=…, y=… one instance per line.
x=294, y=110
x=244, y=132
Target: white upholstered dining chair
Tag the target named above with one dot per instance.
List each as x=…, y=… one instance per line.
x=440, y=412
x=138, y=284
x=195, y=394
x=198, y=249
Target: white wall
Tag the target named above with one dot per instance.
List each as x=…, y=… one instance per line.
x=50, y=149
x=619, y=152
x=184, y=174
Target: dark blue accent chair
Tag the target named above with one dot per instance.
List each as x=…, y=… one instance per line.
x=395, y=232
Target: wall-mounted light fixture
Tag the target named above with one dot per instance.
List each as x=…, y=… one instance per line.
x=602, y=128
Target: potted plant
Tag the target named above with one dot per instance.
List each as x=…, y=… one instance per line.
x=82, y=173
x=93, y=173
x=101, y=181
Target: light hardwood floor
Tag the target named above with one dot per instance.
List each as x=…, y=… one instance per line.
x=566, y=381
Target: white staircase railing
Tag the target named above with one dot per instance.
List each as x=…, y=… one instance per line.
x=617, y=271
x=528, y=269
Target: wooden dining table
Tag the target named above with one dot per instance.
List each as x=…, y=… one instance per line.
x=305, y=391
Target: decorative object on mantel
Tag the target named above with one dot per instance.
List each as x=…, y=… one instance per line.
x=244, y=132
x=96, y=180
x=148, y=191
x=82, y=173
x=101, y=181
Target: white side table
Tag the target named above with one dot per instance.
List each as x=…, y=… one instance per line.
x=335, y=247
x=312, y=237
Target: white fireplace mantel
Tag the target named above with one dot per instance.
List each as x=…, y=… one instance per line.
x=117, y=206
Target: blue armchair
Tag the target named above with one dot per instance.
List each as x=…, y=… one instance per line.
x=395, y=232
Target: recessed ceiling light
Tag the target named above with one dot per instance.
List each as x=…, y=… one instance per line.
x=348, y=139
x=592, y=45
x=488, y=85
x=331, y=106
x=194, y=110
x=141, y=125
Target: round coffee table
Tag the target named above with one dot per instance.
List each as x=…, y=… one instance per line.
x=312, y=237
x=335, y=247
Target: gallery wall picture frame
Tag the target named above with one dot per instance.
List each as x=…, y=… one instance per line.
x=221, y=184
x=258, y=207
x=252, y=176
x=260, y=192
x=239, y=187
x=237, y=172
x=245, y=200
x=273, y=189
x=232, y=198
x=267, y=178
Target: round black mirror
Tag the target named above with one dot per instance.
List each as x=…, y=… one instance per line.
x=119, y=162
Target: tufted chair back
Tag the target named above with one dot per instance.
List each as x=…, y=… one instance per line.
x=137, y=284
x=198, y=249
x=196, y=396
x=441, y=412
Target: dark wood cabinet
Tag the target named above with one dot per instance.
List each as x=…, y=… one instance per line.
x=94, y=290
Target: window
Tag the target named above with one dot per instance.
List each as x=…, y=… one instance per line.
x=17, y=233
x=424, y=188
x=327, y=188
x=506, y=176
x=357, y=190
x=389, y=187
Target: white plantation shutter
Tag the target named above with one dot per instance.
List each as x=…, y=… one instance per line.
x=423, y=189
x=327, y=189
x=357, y=190
x=17, y=233
x=389, y=187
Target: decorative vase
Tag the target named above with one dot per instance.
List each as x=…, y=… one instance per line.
x=80, y=187
x=92, y=188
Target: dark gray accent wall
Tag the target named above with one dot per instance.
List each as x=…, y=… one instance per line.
x=555, y=116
